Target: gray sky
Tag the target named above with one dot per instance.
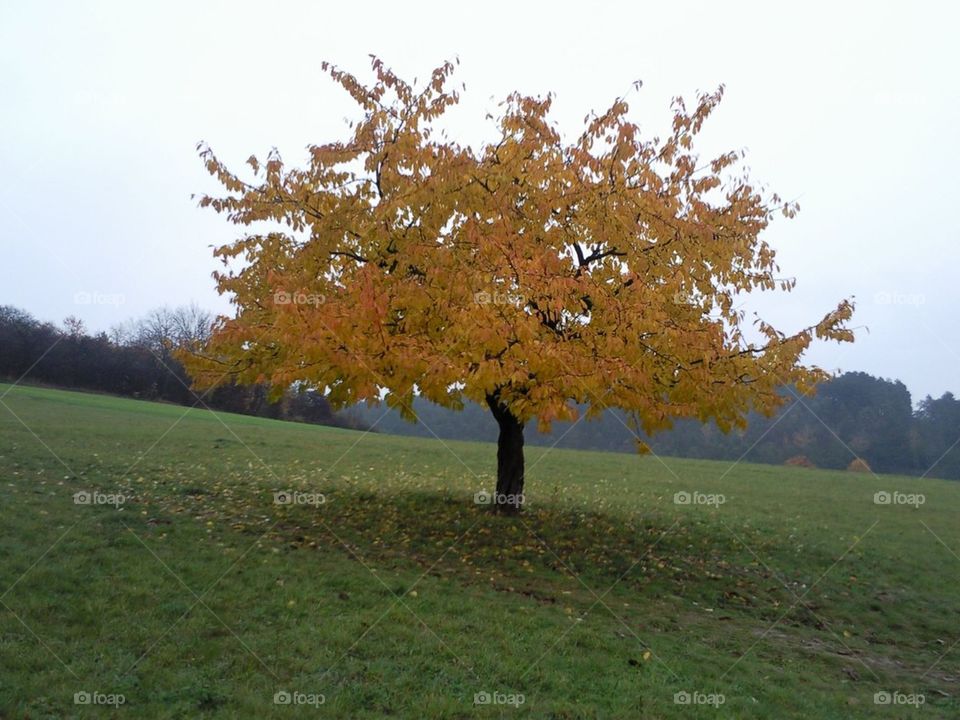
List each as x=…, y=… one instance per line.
x=850, y=108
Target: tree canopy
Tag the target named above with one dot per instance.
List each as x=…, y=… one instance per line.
x=534, y=274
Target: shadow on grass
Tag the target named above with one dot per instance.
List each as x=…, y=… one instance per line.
x=537, y=551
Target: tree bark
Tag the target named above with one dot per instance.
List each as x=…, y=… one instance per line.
x=508, y=497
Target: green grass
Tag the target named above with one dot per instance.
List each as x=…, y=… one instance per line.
x=798, y=597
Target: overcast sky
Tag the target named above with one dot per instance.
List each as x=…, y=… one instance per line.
x=851, y=109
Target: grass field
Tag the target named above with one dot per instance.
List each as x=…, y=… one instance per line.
x=199, y=595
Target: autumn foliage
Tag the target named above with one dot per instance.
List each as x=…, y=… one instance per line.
x=859, y=465
x=532, y=274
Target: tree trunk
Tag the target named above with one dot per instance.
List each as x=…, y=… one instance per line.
x=508, y=497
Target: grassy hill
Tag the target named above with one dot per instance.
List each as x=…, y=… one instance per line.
x=385, y=591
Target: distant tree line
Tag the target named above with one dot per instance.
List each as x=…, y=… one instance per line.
x=852, y=415
x=136, y=360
